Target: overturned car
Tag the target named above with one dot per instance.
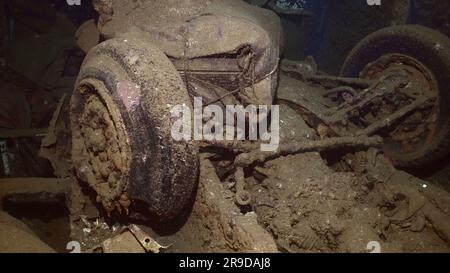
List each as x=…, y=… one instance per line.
x=158, y=54
x=163, y=53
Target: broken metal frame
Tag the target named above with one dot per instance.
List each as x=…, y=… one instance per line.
x=243, y=160
x=33, y=186
x=19, y=133
x=148, y=244
x=338, y=117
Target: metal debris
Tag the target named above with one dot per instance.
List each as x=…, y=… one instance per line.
x=131, y=239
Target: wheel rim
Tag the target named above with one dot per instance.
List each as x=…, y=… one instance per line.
x=417, y=131
x=101, y=152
